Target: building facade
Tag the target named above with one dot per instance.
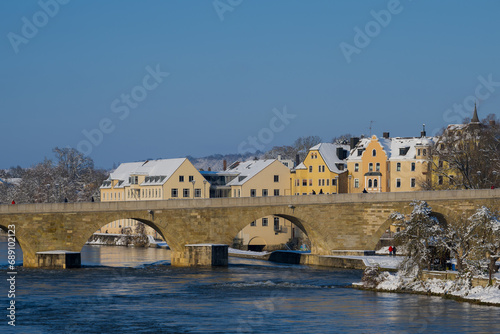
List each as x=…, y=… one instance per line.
x=390, y=164
x=323, y=171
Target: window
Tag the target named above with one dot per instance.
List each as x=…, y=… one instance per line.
x=319, y=182
x=264, y=192
x=377, y=166
x=321, y=168
x=276, y=192
x=197, y=192
x=276, y=178
x=191, y=178
x=370, y=167
x=264, y=222
x=310, y=182
x=418, y=152
x=398, y=167
x=174, y=193
x=398, y=183
x=412, y=166
x=297, y=182
x=370, y=183
x=276, y=223
x=440, y=180
x=424, y=152
x=375, y=183
x=304, y=182
x=356, y=167
x=185, y=193
x=412, y=183
x=356, y=183
x=374, y=153
x=327, y=182
x=181, y=178
x=253, y=192
x=334, y=182
x=254, y=223
x=310, y=169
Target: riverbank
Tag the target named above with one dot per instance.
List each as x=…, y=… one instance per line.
x=465, y=290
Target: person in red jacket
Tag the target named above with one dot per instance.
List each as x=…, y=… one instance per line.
x=13, y=202
x=390, y=250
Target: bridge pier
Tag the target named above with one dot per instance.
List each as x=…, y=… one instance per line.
x=58, y=259
x=201, y=255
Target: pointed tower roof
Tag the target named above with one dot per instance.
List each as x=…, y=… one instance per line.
x=475, y=118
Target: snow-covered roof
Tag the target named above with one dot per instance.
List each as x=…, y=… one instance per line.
x=328, y=152
x=357, y=152
x=249, y=169
x=397, y=148
x=157, y=172
x=301, y=166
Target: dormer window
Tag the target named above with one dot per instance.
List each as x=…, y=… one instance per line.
x=403, y=150
x=374, y=153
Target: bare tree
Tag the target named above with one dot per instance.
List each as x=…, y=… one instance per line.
x=342, y=139
x=467, y=156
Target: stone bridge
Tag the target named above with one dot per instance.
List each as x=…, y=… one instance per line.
x=332, y=222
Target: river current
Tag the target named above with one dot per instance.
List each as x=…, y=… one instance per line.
x=135, y=290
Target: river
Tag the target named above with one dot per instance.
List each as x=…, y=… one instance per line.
x=135, y=290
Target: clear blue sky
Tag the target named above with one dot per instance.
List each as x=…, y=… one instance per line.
x=226, y=76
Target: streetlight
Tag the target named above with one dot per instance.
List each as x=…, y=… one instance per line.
x=350, y=177
x=193, y=182
x=337, y=183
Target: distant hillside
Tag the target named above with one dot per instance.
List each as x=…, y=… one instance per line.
x=215, y=161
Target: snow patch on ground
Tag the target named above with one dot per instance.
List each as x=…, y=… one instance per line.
x=239, y=251
x=386, y=262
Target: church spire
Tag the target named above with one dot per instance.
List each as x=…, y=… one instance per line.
x=475, y=118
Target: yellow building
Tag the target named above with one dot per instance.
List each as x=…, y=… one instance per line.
x=152, y=180
x=323, y=171
x=257, y=178
x=390, y=164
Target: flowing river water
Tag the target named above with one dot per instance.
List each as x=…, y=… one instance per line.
x=135, y=290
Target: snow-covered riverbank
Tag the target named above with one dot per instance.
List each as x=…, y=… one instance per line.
x=461, y=288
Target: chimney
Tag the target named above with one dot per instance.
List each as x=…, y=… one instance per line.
x=279, y=157
x=209, y=169
x=423, y=133
x=224, y=164
x=385, y=135
x=354, y=142
x=297, y=160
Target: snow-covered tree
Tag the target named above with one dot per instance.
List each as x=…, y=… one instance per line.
x=460, y=237
x=417, y=232
x=489, y=236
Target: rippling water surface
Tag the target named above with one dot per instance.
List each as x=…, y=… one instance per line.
x=134, y=290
